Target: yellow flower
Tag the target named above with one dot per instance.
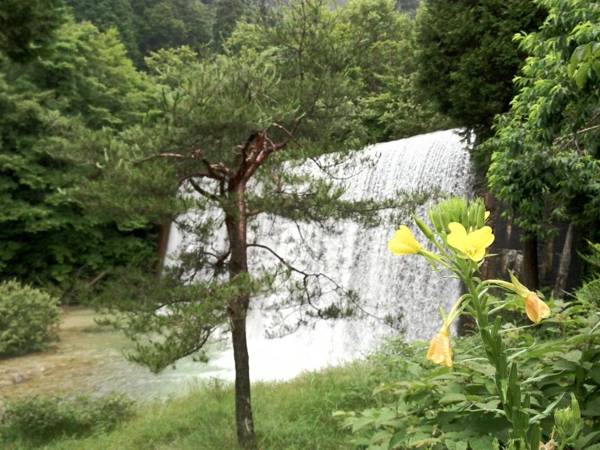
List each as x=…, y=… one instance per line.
x=471, y=244
x=439, y=348
x=535, y=308
x=403, y=242
x=486, y=216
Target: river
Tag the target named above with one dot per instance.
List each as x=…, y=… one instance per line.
x=89, y=360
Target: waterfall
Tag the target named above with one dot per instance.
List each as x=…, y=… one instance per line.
x=405, y=290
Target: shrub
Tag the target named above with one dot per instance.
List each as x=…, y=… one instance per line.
x=42, y=419
x=512, y=384
x=448, y=409
x=28, y=319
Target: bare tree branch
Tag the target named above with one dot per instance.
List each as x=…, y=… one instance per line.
x=169, y=155
x=293, y=268
x=203, y=191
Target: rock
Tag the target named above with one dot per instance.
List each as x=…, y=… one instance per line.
x=18, y=378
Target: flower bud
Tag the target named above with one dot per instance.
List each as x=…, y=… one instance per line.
x=440, y=351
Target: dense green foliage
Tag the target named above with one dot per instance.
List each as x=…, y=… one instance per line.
x=380, y=44
x=446, y=409
x=467, y=58
x=546, y=160
x=228, y=12
x=149, y=25
x=40, y=419
x=28, y=319
x=118, y=14
x=84, y=83
x=171, y=23
x=27, y=27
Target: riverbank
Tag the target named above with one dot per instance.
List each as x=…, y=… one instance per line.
x=89, y=359
x=297, y=414
x=180, y=408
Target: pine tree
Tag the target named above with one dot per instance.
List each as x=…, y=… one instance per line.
x=233, y=128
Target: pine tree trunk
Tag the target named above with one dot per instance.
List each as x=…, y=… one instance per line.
x=238, y=309
x=243, y=405
x=565, y=262
x=529, y=275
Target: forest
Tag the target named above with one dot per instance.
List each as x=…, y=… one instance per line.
x=175, y=172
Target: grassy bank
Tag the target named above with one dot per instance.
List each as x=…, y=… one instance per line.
x=291, y=415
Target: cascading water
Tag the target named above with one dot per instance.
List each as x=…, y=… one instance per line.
x=404, y=289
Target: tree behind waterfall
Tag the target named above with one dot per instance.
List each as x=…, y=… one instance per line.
x=106, y=14
x=149, y=25
x=233, y=128
x=382, y=51
x=467, y=58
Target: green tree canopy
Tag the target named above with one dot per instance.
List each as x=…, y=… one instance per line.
x=380, y=45
x=228, y=12
x=172, y=23
x=149, y=25
x=467, y=57
x=83, y=83
x=27, y=26
x=546, y=151
x=106, y=14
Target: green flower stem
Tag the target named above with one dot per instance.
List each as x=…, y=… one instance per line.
x=495, y=350
x=432, y=257
x=481, y=316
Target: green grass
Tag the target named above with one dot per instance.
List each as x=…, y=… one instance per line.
x=291, y=415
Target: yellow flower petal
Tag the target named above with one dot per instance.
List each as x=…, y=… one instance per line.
x=482, y=237
x=440, y=351
x=477, y=254
x=486, y=215
x=457, y=229
x=458, y=235
x=535, y=308
x=403, y=242
x=471, y=245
